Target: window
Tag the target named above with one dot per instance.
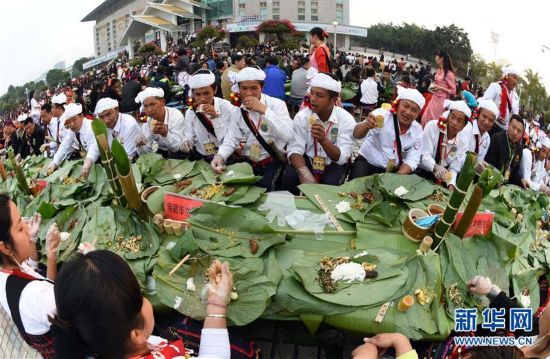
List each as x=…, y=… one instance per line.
x=242, y=12
x=339, y=13
x=109, y=48
x=314, y=4
x=242, y=1
x=276, y=4
x=314, y=18
x=313, y=11
x=339, y=1
x=242, y=6
x=263, y=4
x=275, y=10
x=263, y=13
x=301, y=10
x=276, y=17
x=301, y=17
x=339, y=7
x=301, y=4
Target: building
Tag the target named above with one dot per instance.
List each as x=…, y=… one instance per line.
x=122, y=23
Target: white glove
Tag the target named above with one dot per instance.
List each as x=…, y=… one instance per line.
x=440, y=172
x=305, y=175
x=140, y=140
x=33, y=223
x=53, y=238
x=88, y=163
x=218, y=163
x=44, y=147
x=51, y=168
x=187, y=146
x=18, y=158
x=482, y=286
x=2, y=151
x=545, y=189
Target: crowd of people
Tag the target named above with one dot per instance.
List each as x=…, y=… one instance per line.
x=233, y=107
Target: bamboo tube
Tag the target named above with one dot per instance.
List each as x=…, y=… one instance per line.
x=100, y=132
x=462, y=184
x=126, y=177
x=180, y=263
x=426, y=244
x=469, y=212
x=405, y=303
x=3, y=171
x=158, y=220
x=19, y=174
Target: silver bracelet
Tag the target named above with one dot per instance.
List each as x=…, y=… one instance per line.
x=219, y=316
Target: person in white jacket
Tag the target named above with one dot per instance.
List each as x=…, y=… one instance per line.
x=532, y=166
x=504, y=95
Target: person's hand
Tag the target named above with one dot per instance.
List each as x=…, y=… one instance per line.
x=305, y=176
x=209, y=110
x=221, y=282
x=140, y=140
x=370, y=122
x=481, y=285
x=53, y=239
x=218, y=163
x=544, y=189
x=88, y=163
x=51, y=168
x=254, y=104
x=365, y=351
x=440, y=172
x=160, y=129
x=318, y=132
x=186, y=146
x=524, y=183
x=33, y=224
x=2, y=151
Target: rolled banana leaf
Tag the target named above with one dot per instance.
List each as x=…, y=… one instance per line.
x=3, y=173
x=101, y=137
x=21, y=179
x=463, y=182
x=126, y=177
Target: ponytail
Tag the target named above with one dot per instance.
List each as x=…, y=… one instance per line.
x=320, y=33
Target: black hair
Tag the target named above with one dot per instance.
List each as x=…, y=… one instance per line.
x=447, y=63
x=503, y=352
x=46, y=107
x=387, y=69
x=28, y=120
x=59, y=105
x=236, y=58
x=320, y=33
x=519, y=119
x=219, y=65
x=5, y=223
x=370, y=72
x=273, y=60
x=98, y=303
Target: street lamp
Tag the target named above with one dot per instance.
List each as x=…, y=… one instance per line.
x=335, y=23
x=495, y=38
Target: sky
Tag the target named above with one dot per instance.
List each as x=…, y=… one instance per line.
x=36, y=34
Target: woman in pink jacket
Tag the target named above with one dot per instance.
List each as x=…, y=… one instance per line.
x=443, y=87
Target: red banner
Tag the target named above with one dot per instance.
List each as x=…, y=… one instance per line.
x=480, y=226
x=177, y=207
x=41, y=184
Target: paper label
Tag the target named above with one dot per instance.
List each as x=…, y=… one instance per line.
x=178, y=207
x=481, y=224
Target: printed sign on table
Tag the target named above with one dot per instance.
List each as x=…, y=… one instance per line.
x=178, y=207
x=480, y=226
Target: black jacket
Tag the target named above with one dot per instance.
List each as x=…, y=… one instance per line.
x=129, y=92
x=30, y=145
x=498, y=155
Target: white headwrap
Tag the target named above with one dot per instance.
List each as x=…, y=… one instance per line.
x=326, y=82
x=459, y=106
x=71, y=110
x=250, y=74
x=545, y=142
x=149, y=92
x=59, y=99
x=509, y=70
x=104, y=104
x=412, y=95
x=201, y=80
x=22, y=117
x=489, y=105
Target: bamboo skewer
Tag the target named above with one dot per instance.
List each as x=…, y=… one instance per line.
x=180, y=263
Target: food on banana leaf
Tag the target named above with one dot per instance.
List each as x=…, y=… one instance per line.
x=70, y=180
x=183, y=184
x=455, y=296
x=127, y=245
x=253, y=246
x=423, y=296
x=229, y=191
x=438, y=196
x=190, y=285
x=207, y=192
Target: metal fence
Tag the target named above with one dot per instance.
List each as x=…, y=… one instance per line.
x=11, y=343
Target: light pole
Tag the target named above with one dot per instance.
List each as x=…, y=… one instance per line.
x=495, y=38
x=335, y=23
x=544, y=47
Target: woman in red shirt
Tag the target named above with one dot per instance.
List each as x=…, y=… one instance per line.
x=319, y=52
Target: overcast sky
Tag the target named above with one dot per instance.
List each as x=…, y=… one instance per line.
x=36, y=34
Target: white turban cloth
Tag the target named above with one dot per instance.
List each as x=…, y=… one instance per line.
x=149, y=92
x=201, y=80
x=489, y=105
x=59, y=99
x=105, y=104
x=326, y=82
x=250, y=74
x=72, y=110
x=458, y=106
x=412, y=95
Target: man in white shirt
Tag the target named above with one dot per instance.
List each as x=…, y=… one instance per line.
x=393, y=138
x=121, y=126
x=58, y=108
x=477, y=133
x=50, y=123
x=443, y=146
x=532, y=166
x=322, y=141
x=207, y=119
x=369, y=92
x=163, y=131
x=504, y=90
x=269, y=119
x=81, y=136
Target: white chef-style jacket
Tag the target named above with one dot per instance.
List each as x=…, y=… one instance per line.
x=532, y=170
x=278, y=128
x=453, y=152
x=339, y=130
x=493, y=93
x=53, y=135
x=196, y=132
x=475, y=139
x=70, y=142
x=369, y=91
x=380, y=145
x=173, y=140
x=125, y=131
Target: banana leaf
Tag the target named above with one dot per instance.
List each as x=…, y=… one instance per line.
x=172, y=171
x=239, y=173
x=417, y=187
x=155, y=202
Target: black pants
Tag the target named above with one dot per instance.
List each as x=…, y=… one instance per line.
x=270, y=173
x=179, y=155
x=333, y=175
x=361, y=168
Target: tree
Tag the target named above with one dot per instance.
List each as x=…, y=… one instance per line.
x=150, y=48
x=533, y=92
x=246, y=42
x=478, y=69
x=277, y=27
x=77, y=66
x=56, y=76
x=208, y=36
x=494, y=73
